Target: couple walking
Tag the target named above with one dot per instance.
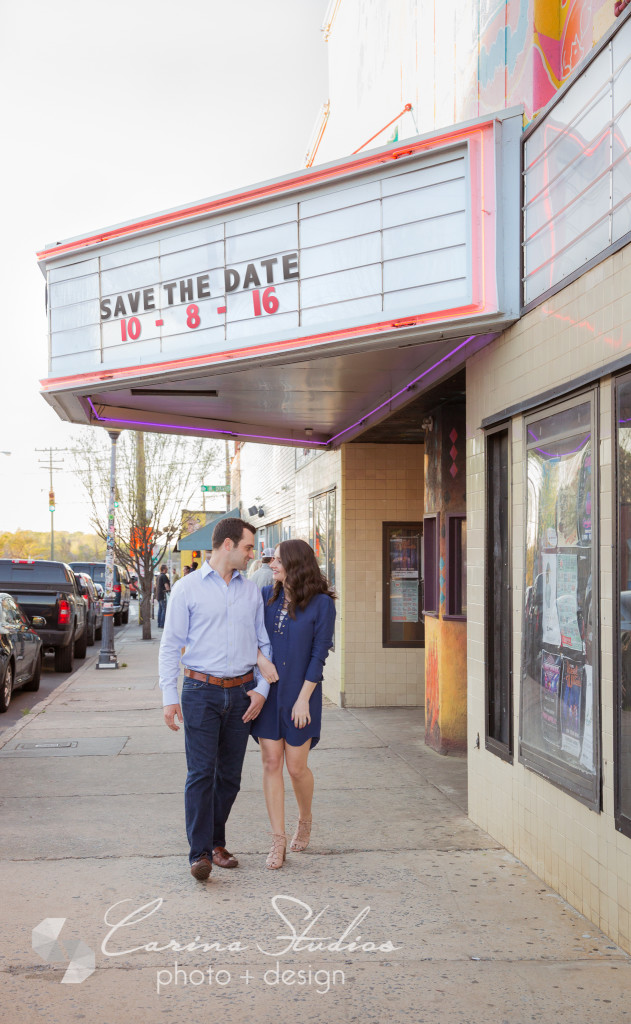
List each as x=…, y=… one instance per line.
x=253, y=662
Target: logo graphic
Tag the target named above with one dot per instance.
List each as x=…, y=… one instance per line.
x=46, y=945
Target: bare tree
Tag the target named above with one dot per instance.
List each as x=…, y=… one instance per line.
x=157, y=475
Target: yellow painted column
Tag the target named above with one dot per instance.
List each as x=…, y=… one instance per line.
x=445, y=637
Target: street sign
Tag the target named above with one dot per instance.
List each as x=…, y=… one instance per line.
x=216, y=487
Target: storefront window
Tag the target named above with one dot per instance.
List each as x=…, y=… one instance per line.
x=271, y=535
x=559, y=722
x=322, y=532
x=623, y=631
x=403, y=585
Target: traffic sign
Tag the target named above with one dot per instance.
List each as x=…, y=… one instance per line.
x=216, y=487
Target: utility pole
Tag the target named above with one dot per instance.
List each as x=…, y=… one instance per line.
x=51, y=465
x=107, y=654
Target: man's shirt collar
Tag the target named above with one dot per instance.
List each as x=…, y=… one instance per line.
x=207, y=568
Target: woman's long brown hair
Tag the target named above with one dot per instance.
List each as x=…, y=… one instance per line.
x=304, y=577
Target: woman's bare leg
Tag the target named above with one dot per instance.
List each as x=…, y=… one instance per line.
x=272, y=756
x=301, y=776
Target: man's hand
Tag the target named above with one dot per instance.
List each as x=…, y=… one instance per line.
x=267, y=668
x=171, y=712
x=257, y=701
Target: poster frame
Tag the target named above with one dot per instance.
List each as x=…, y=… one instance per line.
x=583, y=785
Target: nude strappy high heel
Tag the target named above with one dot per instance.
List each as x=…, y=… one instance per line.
x=301, y=836
x=278, y=852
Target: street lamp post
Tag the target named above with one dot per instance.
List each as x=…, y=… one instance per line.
x=107, y=654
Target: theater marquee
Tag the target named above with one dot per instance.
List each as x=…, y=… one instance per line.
x=353, y=256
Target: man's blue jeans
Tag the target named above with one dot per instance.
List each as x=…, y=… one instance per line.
x=162, y=610
x=215, y=738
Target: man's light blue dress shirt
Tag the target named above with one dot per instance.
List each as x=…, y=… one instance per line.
x=220, y=625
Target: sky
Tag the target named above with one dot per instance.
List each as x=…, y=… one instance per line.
x=111, y=111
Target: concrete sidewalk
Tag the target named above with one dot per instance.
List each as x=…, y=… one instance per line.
x=458, y=931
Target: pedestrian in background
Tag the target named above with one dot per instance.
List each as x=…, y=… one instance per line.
x=263, y=575
x=163, y=587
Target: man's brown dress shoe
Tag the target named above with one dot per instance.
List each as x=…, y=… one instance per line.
x=200, y=869
x=223, y=859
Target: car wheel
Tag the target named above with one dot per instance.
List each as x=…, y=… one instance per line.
x=63, y=658
x=7, y=689
x=91, y=636
x=118, y=619
x=125, y=617
x=98, y=632
x=81, y=645
x=33, y=685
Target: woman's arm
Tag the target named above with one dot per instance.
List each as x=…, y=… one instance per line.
x=266, y=667
x=321, y=644
x=323, y=632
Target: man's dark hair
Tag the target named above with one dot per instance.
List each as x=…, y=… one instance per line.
x=232, y=528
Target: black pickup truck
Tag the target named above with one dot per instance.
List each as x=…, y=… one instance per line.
x=49, y=590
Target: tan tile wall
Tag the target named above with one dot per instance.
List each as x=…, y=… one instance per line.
x=577, y=852
x=381, y=483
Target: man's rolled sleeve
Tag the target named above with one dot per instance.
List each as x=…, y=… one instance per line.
x=173, y=640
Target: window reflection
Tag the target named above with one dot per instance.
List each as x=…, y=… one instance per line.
x=623, y=709
x=559, y=677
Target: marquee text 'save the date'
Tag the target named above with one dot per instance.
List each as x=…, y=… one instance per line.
x=268, y=272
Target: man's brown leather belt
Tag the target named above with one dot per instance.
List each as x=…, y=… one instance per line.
x=203, y=677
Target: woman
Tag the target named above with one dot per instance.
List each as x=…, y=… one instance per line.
x=300, y=619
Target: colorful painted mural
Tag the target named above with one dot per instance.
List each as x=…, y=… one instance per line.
x=529, y=47
x=564, y=33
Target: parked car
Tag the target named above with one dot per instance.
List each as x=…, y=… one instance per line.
x=121, y=586
x=48, y=591
x=133, y=585
x=20, y=651
x=94, y=606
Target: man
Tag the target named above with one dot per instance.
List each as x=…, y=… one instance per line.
x=217, y=615
x=263, y=577
x=162, y=589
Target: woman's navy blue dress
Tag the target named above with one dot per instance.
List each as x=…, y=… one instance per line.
x=300, y=647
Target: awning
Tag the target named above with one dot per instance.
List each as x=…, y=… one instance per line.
x=300, y=311
x=202, y=539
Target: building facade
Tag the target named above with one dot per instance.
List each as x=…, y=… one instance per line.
x=422, y=353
